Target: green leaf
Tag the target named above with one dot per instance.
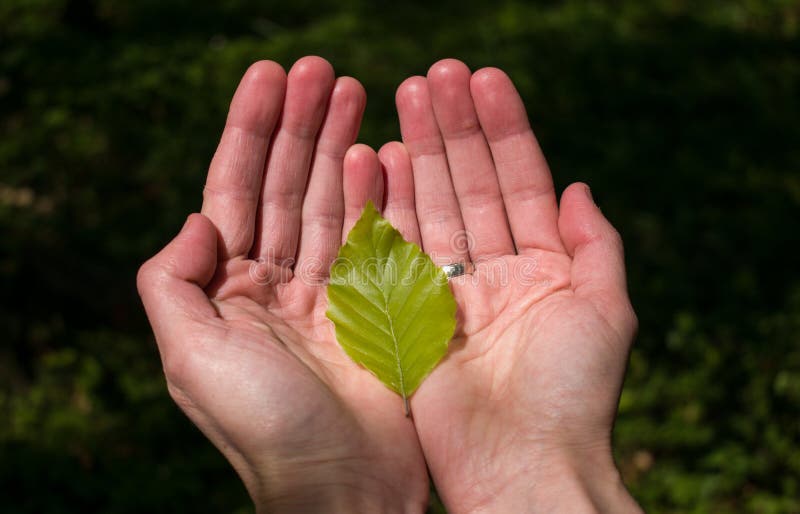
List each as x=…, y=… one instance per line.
x=391, y=305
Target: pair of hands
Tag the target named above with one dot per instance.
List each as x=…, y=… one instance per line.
x=518, y=416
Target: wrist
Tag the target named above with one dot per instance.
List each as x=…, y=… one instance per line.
x=583, y=482
x=568, y=481
x=335, y=499
x=332, y=490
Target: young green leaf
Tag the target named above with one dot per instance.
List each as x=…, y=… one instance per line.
x=391, y=305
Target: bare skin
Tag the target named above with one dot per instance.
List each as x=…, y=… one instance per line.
x=518, y=416
x=247, y=350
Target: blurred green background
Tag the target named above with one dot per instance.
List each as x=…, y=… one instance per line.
x=682, y=115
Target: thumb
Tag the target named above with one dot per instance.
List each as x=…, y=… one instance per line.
x=598, y=262
x=171, y=283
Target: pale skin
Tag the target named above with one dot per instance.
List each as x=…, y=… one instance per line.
x=517, y=418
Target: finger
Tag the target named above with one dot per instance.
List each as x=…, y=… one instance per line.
x=171, y=283
x=525, y=180
x=398, y=179
x=362, y=182
x=323, y=207
x=236, y=172
x=598, y=265
x=469, y=159
x=438, y=213
x=308, y=89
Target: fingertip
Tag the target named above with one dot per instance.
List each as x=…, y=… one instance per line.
x=577, y=188
x=398, y=176
x=449, y=82
x=360, y=157
x=399, y=200
x=412, y=92
x=343, y=119
x=190, y=256
x=575, y=217
x=418, y=125
x=488, y=75
x=363, y=179
x=598, y=265
x=350, y=90
x=312, y=68
x=197, y=245
x=498, y=103
x=392, y=154
x=452, y=102
x=256, y=104
x=580, y=221
x=171, y=284
x=448, y=70
x=489, y=82
x=309, y=86
x=199, y=226
x=265, y=72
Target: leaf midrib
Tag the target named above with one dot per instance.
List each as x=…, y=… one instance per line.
x=391, y=326
x=397, y=359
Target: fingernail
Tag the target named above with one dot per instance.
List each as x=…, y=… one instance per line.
x=589, y=194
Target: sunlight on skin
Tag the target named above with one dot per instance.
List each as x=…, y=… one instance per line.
x=518, y=416
x=255, y=364
x=534, y=375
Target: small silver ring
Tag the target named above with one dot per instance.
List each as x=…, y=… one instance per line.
x=455, y=269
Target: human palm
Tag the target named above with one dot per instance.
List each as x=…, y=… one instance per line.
x=288, y=399
x=547, y=363
x=534, y=371
x=237, y=302
x=528, y=391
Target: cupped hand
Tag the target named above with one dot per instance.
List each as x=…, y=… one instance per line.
x=518, y=416
x=237, y=304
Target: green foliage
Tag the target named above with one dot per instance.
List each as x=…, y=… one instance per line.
x=391, y=305
x=681, y=115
